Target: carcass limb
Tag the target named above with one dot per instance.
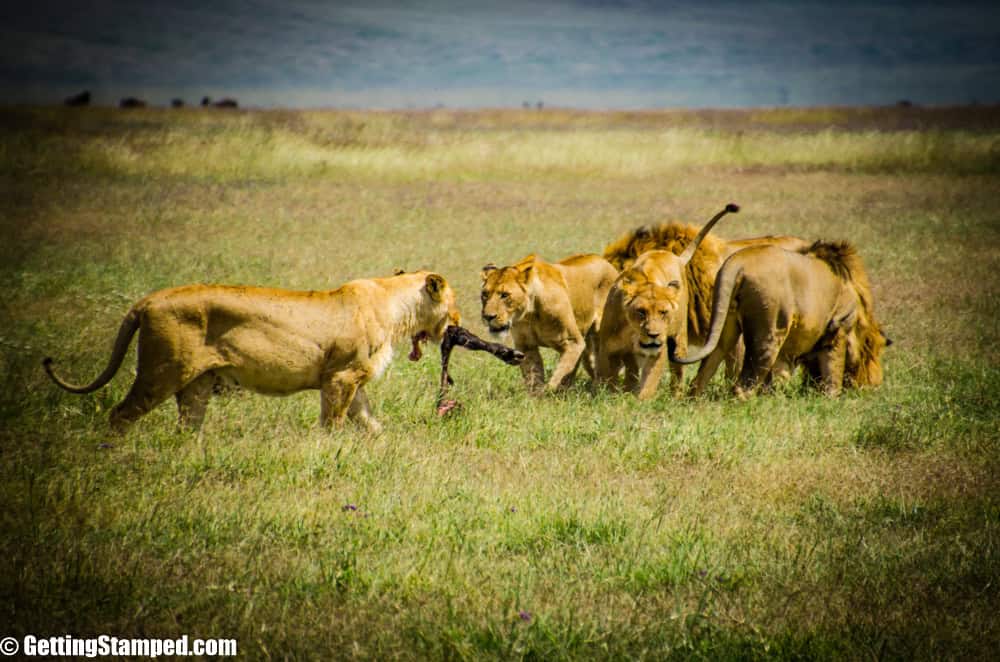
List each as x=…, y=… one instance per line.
x=456, y=336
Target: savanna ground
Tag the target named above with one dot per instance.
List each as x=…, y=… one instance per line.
x=573, y=526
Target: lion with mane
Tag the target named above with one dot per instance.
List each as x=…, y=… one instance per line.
x=812, y=308
x=704, y=264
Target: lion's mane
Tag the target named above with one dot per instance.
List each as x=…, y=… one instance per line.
x=845, y=262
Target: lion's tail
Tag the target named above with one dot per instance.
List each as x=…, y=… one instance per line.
x=125, y=332
x=729, y=278
x=693, y=246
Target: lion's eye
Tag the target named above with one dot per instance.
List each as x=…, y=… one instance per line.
x=641, y=314
x=504, y=295
x=484, y=296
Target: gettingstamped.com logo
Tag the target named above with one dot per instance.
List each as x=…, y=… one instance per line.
x=105, y=645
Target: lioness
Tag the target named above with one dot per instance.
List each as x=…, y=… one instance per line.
x=647, y=307
x=272, y=341
x=556, y=305
x=812, y=308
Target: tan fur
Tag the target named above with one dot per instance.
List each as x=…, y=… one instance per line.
x=867, y=339
x=700, y=272
x=645, y=310
x=662, y=298
x=272, y=341
x=555, y=305
x=812, y=308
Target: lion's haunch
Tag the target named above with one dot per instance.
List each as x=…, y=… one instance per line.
x=456, y=336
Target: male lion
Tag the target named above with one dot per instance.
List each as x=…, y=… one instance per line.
x=675, y=237
x=812, y=308
x=704, y=264
x=272, y=341
x=556, y=305
x=649, y=306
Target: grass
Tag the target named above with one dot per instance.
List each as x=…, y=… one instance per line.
x=572, y=526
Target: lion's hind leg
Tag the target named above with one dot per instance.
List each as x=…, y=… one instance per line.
x=146, y=393
x=763, y=346
x=730, y=344
x=192, y=401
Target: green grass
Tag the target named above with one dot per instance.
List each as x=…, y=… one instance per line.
x=574, y=526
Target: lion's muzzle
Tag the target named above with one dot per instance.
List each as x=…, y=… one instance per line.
x=650, y=346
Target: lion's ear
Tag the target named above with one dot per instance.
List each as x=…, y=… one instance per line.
x=435, y=285
x=524, y=272
x=485, y=273
x=628, y=287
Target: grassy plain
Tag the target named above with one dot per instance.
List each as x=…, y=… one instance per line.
x=575, y=526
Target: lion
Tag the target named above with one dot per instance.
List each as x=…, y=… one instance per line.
x=675, y=237
x=555, y=305
x=650, y=305
x=812, y=308
x=272, y=341
x=704, y=264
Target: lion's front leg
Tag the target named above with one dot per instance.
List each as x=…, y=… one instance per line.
x=590, y=354
x=533, y=370
x=649, y=377
x=831, y=367
x=337, y=393
x=565, y=369
x=608, y=368
x=632, y=371
x=360, y=412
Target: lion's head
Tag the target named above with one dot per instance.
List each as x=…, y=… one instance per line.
x=699, y=272
x=436, y=311
x=506, y=295
x=651, y=310
x=866, y=340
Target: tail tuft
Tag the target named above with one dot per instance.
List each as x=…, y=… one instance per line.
x=732, y=208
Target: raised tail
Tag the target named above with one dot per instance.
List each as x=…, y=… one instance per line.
x=125, y=332
x=693, y=246
x=725, y=285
